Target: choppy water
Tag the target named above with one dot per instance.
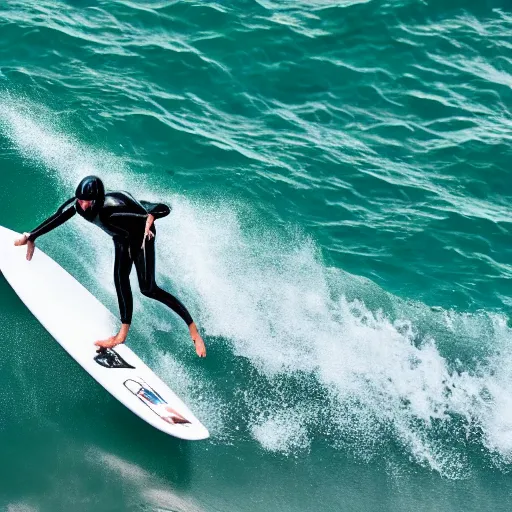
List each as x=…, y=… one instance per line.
x=339, y=173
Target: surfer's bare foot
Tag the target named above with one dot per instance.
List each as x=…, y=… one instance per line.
x=111, y=342
x=23, y=240
x=198, y=341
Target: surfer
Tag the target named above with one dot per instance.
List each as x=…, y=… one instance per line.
x=130, y=223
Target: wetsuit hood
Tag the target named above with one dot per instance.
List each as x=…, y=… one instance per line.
x=91, y=188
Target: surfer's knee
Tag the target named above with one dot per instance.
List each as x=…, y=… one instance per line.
x=149, y=291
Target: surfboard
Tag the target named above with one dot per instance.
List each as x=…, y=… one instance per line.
x=76, y=319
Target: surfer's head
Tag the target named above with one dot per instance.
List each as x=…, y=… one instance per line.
x=90, y=191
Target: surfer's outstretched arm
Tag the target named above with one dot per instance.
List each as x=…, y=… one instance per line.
x=64, y=213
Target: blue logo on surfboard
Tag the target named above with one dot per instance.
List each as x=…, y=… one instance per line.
x=148, y=396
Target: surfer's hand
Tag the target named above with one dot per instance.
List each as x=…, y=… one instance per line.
x=149, y=235
x=198, y=341
x=25, y=241
x=147, y=232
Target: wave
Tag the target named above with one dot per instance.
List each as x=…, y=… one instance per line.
x=315, y=354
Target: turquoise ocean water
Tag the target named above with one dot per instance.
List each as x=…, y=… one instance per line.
x=339, y=173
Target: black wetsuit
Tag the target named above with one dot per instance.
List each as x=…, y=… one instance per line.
x=124, y=219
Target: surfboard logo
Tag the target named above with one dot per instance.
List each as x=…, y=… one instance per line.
x=109, y=358
x=148, y=396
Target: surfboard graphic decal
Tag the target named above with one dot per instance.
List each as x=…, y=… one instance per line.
x=147, y=395
x=109, y=358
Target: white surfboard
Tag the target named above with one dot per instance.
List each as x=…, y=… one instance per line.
x=65, y=308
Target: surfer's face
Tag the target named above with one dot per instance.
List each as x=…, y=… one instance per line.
x=85, y=204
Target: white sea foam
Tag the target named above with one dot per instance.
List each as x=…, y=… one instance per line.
x=283, y=431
